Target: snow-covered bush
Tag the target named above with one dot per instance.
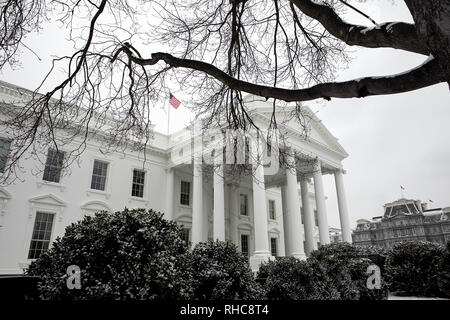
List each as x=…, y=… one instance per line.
x=132, y=254
x=288, y=278
x=334, y=272
x=220, y=271
x=414, y=268
x=342, y=267
x=444, y=273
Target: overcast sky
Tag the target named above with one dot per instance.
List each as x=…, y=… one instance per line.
x=391, y=140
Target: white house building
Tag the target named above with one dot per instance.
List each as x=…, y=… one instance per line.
x=281, y=214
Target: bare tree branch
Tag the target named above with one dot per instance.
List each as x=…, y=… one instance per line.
x=397, y=35
x=427, y=74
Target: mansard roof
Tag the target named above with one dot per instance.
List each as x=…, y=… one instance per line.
x=402, y=207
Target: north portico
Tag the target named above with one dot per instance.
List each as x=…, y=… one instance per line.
x=276, y=209
x=308, y=155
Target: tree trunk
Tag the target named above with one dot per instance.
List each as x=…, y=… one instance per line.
x=432, y=21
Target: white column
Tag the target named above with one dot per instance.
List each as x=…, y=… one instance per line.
x=234, y=213
x=308, y=217
x=342, y=205
x=284, y=207
x=320, y=204
x=293, y=233
x=169, y=214
x=219, y=205
x=198, y=234
x=262, y=253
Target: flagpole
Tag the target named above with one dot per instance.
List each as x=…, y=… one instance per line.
x=168, y=118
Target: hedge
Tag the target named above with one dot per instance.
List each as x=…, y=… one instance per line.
x=418, y=268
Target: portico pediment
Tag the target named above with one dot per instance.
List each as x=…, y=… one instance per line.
x=48, y=199
x=312, y=131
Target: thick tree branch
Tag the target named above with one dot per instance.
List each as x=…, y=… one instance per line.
x=426, y=75
x=432, y=23
x=397, y=35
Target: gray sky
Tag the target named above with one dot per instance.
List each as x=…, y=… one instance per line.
x=392, y=140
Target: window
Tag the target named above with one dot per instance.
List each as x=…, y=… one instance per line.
x=244, y=206
x=42, y=230
x=4, y=150
x=273, y=246
x=53, y=165
x=244, y=244
x=269, y=150
x=272, y=213
x=316, y=218
x=99, y=175
x=137, y=189
x=185, y=193
x=185, y=235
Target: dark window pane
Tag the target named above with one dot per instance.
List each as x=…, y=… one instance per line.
x=99, y=175
x=53, y=165
x=137, y=189
x=244, y=244
x=40, y=239
x=244, y=206
x=185, y=235
x=272, y=213
x=185, y=193
x=273, y=246
x=4, y=151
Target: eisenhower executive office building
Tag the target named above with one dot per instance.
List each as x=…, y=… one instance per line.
x=281, y=214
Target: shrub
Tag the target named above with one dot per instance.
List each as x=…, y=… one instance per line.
x=220, y=271
x=413, y=268
x=375, y=254
x=340, y=271
x=288, y=278
x=358, y=273
x=133, y=254
x=444, y=273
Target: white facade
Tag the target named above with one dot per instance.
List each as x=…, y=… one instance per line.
x=273, y=201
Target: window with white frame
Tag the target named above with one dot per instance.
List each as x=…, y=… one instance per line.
x=273, y=247
x=53, y=165
x=272, y=212
x=137, y=189
x=42, y=231
x=244, y=244
x=185, y=193
x=185, y=235
x=243, y=204
x=4, y=151
x=99, y=173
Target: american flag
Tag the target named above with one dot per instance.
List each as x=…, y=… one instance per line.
x=174, y=101
x=402, y=187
